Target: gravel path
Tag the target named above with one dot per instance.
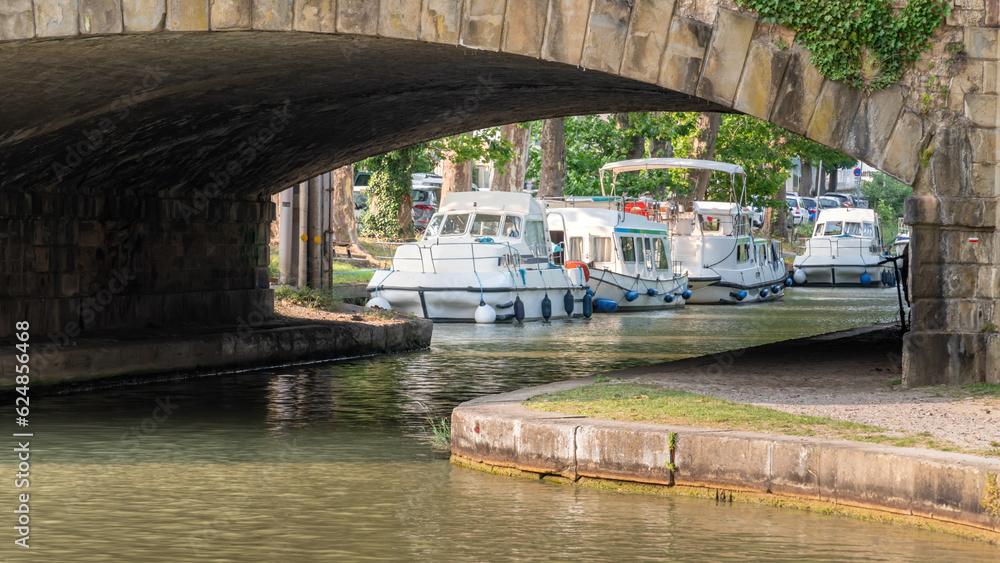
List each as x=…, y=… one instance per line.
x=846, y=378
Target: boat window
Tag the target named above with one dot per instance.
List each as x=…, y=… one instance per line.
x=575, y=250
x=709, y=223
x=761, y=254
x=648, y=254
x=433, y=226
x=662, y=260
x=628, y=249
x=852, y=228
x=484, y=225
x=867, y=230
x=534, y=236
x=455, y=224
x=512, y=226
x=832, y=229
x=601, y=249
x=743, y=252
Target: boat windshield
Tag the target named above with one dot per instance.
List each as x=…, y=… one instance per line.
x=454, y=224
x=512, y=226
x=485, y=225
x=709, y=223
x=852, y=229
x=829, y=229
x=433, y=226
x=867, y=230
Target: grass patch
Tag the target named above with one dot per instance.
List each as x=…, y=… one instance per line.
x=648, y=403
x=344, y=273
x=309, y=297
x=273, y=264
x=983, y=389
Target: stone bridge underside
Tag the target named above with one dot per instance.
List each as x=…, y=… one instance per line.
x=136, y=160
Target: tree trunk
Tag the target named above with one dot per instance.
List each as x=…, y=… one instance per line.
x=637, y=143
x=404, y=216
x=780, y=227
x=832, y=186
x=456, y=177
x=806, y=179
x=703, y=148
x=342, y=210
x=661, y=148
x=552, y=181
x=510, y=178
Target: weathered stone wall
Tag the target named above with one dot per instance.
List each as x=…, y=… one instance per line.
x=936, y=129
x=73, y=264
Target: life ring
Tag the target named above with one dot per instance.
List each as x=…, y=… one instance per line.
x=637, y=208
x=577, y=264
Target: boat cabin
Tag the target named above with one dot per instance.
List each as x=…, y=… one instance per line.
x=481, y=231
x=607, y=239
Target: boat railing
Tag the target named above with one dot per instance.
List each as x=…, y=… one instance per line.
x=510, y=259
x=841, y=246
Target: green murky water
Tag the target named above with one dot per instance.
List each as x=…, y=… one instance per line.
x=331, y=462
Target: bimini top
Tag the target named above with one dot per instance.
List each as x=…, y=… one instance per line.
x=515, y=202
x=659, y=163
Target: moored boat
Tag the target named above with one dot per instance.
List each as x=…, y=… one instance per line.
x=484, y=257
x=625, y=256
x=712, y=242
x=845, y=250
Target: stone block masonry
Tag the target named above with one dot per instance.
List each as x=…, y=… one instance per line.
x=73, y=263
x=941, y=487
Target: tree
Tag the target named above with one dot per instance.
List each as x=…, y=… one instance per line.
x=511, y=177
x=390, y=196
x=552, y=181
x=703, y=148
x=460, y=151
x=886, y=195
x=345, y=228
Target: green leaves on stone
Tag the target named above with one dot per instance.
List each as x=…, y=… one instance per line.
x=864, y=43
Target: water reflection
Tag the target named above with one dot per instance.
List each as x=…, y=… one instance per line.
x=331, y=461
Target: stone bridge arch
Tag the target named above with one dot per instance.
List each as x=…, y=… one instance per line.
x=122, y=120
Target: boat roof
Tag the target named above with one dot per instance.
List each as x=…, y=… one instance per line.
x=728, y=208
x=586, y=217
x=846, y=214
x=660, y=163
x=515, y=202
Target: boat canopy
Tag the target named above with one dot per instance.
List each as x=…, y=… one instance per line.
x=716, y=207
x=660, y=163
x=846, y=214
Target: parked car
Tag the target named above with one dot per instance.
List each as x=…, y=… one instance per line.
x=796, y=214
x=826, y=202
x=361, y=179
x=425, y=204
x=809, y=204
x=846, y=200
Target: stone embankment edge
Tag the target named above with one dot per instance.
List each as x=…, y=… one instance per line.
x=938, y=490
x=220, y=351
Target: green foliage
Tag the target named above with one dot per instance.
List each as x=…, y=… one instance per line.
x=885, y=195
x=389, y=190
x=484, y=145
x=991, y=495
x=860, y=42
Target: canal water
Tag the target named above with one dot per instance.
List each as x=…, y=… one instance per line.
x=332, y=462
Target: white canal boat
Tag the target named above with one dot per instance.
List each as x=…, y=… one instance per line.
x=712, y=241
x=625, y=256
x=845, y=250
x=485, y=257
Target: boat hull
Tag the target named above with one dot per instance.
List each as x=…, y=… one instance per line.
x=614, y=286
x=726, y=293
x=842, y=271
x=454, y=297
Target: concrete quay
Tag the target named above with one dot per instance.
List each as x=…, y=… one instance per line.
x=247, y=345
x=928, y=488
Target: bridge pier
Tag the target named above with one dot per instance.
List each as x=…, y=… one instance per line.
x=74, y=263
x=954, y=262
